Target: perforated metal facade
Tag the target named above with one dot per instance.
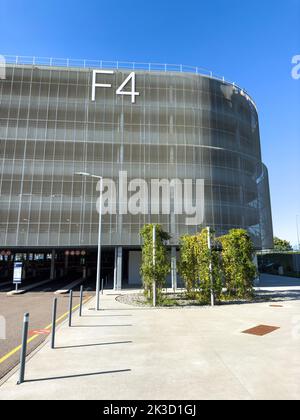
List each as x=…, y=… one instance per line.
x=182, y=125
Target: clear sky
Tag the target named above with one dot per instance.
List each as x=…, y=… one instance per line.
x=249, y=42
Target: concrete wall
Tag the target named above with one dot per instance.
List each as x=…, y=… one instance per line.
x=134, y=265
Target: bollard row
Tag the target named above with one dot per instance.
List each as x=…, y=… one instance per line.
x=70, y=307
x=54, y=310
x=53, y=331
x=23, y=348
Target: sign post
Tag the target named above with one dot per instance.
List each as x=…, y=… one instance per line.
x=17, y=279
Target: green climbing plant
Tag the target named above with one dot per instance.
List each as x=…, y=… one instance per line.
x=209, y=266
x=237, y=259
x=159, y=272
x=200, y=267
x=187, y=265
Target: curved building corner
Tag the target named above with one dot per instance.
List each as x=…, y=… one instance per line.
x=179, y=125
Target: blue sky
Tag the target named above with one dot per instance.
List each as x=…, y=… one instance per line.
x=251, y=43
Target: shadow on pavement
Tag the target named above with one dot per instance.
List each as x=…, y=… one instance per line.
x=97, y=326
x=98, y=316
x=54, y=378
x=92, y=345
x=266, y=297
x=279, y=295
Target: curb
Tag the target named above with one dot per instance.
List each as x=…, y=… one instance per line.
x=69, y=286
x=28, y=288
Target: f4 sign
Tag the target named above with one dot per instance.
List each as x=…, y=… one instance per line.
x=120, y=90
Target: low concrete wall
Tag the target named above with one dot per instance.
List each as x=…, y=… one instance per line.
x=134, y=265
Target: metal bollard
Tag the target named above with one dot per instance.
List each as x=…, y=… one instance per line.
x=102, y=281
x=54, y=309
x=23, y=348
x=70, y=307
x=81, y=299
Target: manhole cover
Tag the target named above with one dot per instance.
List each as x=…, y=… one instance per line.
x=261, y=330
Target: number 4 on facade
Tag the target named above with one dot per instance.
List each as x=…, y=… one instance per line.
x=132, y=93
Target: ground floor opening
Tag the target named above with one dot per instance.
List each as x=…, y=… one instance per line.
x=120, y=266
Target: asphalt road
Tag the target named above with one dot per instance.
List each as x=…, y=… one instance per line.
x=38, y=303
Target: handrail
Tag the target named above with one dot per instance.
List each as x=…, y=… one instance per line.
x=126, y=65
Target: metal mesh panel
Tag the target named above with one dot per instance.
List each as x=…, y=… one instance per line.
x=182, y=125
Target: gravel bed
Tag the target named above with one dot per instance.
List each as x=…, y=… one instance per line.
x=138, y=299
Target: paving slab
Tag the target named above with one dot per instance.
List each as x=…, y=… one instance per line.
x=126, y=352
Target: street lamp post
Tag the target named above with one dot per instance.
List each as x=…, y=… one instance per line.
x=212, y=297
x=98, y=277
x=154, y=264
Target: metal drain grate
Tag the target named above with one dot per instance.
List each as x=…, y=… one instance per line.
x=261, y=330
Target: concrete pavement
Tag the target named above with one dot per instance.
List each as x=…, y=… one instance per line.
x=125, y=352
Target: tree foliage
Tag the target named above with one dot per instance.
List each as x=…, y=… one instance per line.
x=209, y=258
x=282, y=245
x=237, y=260
x=187, y=266
x=194, y=266
x=159, y=272
x=202, y=269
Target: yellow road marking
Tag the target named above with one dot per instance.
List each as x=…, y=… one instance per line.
x=16, y=349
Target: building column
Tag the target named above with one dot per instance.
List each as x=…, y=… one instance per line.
x=52, y=269
x=66, y=263
x=118, y=268
x=24, y=265
x=174, y=267
x=34, y=267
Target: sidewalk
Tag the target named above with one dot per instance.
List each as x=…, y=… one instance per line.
x=126, y=352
